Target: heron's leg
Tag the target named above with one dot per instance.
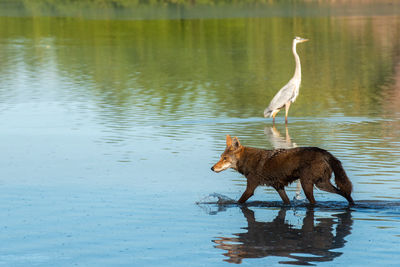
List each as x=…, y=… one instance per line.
x=298, y=190
x=273, y=116
x=287, y=106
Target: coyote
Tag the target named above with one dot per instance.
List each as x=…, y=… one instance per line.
x=280, y=167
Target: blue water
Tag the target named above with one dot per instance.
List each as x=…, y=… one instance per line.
x=115, y=198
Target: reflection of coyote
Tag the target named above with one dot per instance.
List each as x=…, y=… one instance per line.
x=278, y=238
x=278, y=168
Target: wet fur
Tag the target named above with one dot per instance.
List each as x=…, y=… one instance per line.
x=280, y=167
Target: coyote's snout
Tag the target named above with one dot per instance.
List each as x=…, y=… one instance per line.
x=280, y=167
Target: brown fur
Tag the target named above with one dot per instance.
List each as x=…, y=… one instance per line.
x=280, y=167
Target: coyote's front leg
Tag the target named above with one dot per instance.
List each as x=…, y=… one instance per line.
x=248, y=193
x=282, y=194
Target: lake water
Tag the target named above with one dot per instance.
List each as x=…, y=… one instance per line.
x=110, y=124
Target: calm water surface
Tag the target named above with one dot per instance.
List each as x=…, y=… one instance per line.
x=109, y=128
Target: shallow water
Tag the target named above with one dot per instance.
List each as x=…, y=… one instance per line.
x=110, y=126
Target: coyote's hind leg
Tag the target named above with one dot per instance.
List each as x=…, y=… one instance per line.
x=308, y=191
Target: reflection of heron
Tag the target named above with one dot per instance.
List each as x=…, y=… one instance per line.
x=278, y=141
x=290, y=91
x=302, y=246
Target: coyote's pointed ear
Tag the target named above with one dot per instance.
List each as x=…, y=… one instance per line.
x=235, y=143
x=228, y=140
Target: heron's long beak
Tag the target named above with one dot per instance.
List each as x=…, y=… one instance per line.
x=303, y=40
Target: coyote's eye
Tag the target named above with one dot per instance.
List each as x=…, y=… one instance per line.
x=225, y=158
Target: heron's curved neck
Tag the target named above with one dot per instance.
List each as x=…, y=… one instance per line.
x=297, y=72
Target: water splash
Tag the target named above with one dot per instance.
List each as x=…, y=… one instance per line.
x=216, y=198
x=223, y=202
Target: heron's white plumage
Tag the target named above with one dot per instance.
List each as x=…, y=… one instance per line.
x=287, y=93
x=290, y=91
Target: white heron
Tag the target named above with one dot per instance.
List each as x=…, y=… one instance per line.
x=290, y=91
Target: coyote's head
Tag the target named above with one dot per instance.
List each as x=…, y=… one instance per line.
x=230, y=156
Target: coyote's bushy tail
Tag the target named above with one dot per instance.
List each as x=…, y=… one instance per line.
x=342, y=181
